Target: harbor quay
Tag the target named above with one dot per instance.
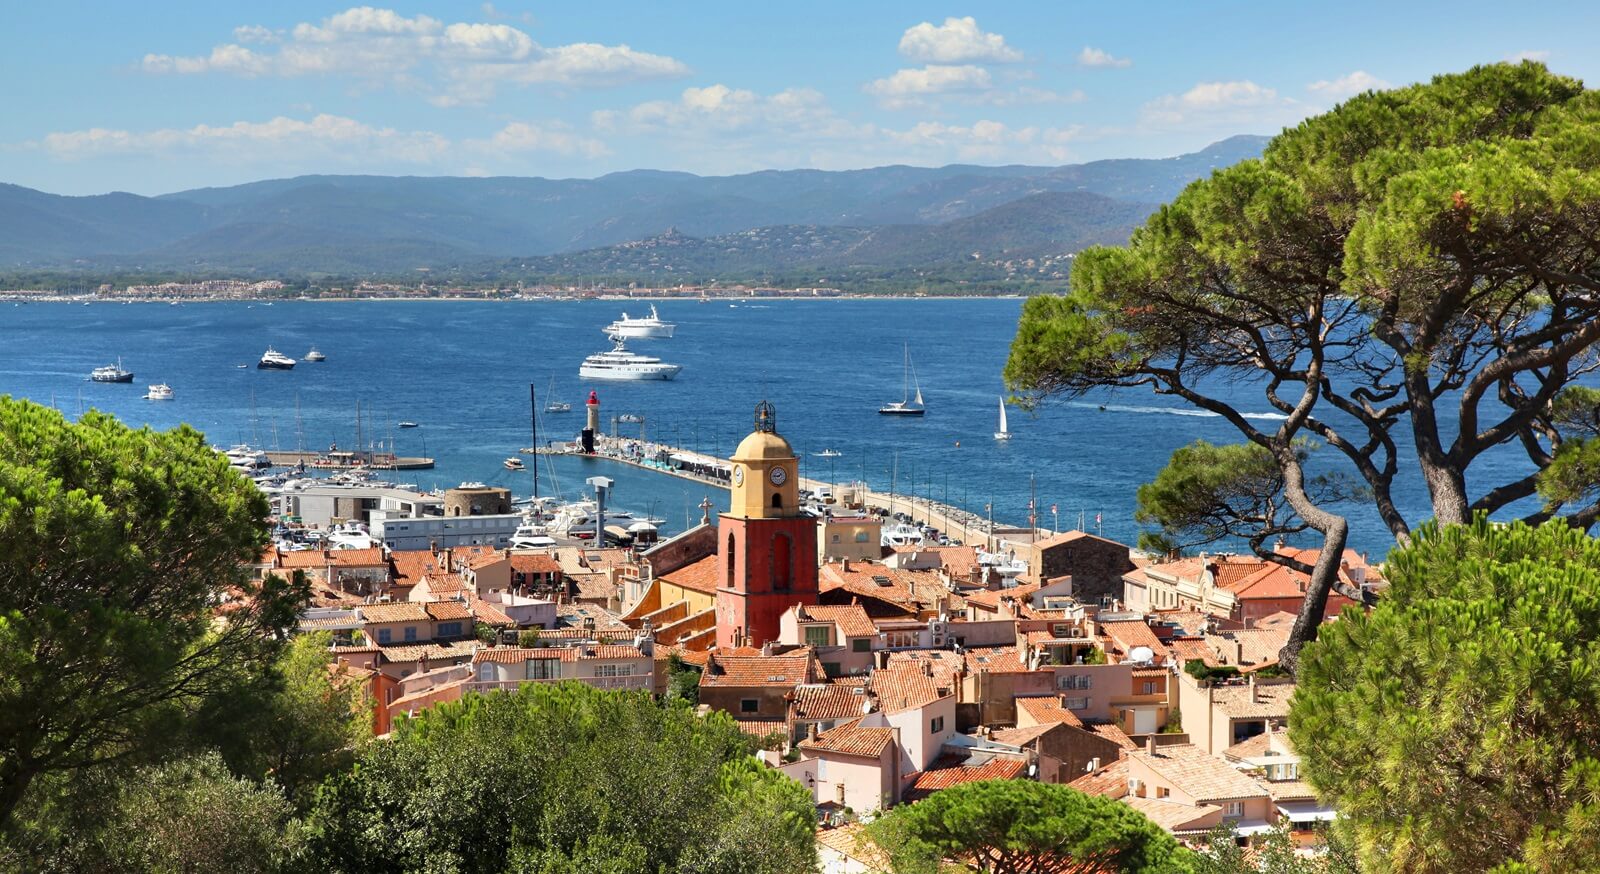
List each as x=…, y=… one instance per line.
x=950, y=520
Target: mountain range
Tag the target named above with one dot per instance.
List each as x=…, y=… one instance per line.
x=641, y=224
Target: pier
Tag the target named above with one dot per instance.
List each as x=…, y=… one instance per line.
x=711, y=470
x=349, y=460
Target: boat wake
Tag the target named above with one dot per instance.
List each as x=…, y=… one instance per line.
x=1172, y=411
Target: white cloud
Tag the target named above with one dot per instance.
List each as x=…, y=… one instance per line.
x=1210, y=104
x=1093, y=57
x=453, y=63
x=520, y=137
x=326, y=136
x=908, y=87
x=1348, y=85
x=1540, y=55
x=957, y=41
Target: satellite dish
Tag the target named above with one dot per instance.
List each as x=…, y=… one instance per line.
x=1141, y=654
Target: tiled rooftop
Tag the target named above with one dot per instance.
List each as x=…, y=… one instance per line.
x=852, y=619
x=851, y=739
x=399, y=611
x=758, y=670
x=827, y=701
x=947, y=771
x=1198, y=774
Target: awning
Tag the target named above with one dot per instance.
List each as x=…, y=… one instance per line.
x=1307, y=811
x=1252, y=827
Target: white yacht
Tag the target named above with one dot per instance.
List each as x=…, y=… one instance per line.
x=111, y=373
x=553, y=404
x=272, y=359
x=906, y=406
x=901, y=535
x=314, y=355
x=649, y=328
x=161, y=392
x=514, y=463
x=829, y=453
x=243, y=457
x=620, y=364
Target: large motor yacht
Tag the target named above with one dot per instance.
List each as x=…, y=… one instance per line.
x=111, y=373
x=620, y=364
x=647, y=328
x=275, y=360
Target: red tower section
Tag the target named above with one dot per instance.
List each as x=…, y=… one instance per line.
x=768, y=566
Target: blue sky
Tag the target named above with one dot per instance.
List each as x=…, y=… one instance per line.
x=160, y=97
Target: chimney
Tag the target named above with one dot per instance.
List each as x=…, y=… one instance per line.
x=1254, y=697
x=811, y=731
x=1150, y=744
x=766, y=649
x=845, y=564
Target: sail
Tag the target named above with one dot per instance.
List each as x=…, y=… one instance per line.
x=1003, y=429
x=914, y=380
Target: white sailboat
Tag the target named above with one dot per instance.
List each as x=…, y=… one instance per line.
x=1004, y=433
x=552, y=404
x=906, y=406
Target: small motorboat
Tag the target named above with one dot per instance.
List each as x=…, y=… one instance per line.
x=313, y=355
x=514, y=463
x=161, y=392
x=829, y=453
x=408, y=424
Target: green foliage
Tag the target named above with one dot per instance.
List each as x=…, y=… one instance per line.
x=303, y=724
x=683, y=680
x=488, y=634
x=115, y=546
x=189, y=815
x=1453, y=726
x=531, y=780
x=1198, y=669
x=1015, y=826
x=1174, y=722
x=1095, y=656
x=528, y=639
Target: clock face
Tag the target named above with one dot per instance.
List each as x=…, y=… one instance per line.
x=738, y=475
x=778, y=476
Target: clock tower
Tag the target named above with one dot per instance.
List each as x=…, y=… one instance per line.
x=768, y=548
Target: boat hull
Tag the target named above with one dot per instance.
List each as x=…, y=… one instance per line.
x=639, y=332
x=127, y=378
x=1001, y=435
x=664, y=372
x=899, y=411
x=266, y=365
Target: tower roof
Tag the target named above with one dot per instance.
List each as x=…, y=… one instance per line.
x=763, y=446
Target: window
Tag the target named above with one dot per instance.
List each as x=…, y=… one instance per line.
x=1076, y=703
x=544, y=669
x=731, y=545
x=613, y=670
x=1233, y=810
x=411, y=634
x=385, y=635
x=1075, y=681
x=902, y=638
x=777, y=500
x=835, y=538
x=861, y=644
x=819, y=635
x=449, y=629
x=749, y=705
x=937, y=725
x=1162, y=792
x=861, y=537
x=782, y=561
x=1149, y=687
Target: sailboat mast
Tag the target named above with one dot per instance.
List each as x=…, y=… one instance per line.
x=533, y=419
x=905, y=375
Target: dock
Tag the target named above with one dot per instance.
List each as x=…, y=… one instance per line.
x=700, y=467
x=349, y=460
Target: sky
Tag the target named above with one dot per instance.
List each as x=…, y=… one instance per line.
x=165, y=96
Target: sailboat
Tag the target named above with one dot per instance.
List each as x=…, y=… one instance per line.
x=551, y=404
x=906, y=406
x=1004, y=433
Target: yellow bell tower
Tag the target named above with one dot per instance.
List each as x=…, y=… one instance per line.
x=765, y=472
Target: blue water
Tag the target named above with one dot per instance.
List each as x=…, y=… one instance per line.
x=462, y=370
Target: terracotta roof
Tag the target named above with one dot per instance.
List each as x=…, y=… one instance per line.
x=1110, y=731
x=427, y=651
x=1270, y=700
x=1048, y=711
x=947, y=771
x=905, y=687
x=995, y=660
x=1128, y=634
x=759, y=726
x=1073, y=536
x=482, y=561
x=757, y=670
x=1198, y=774
x=1186, y=649
x=1256, y=645
x=448, y=610
x=1110, y=781
x=357, y=557
x=443, y=584
x=852, y=619
x=399, y=611
x=515, y=654
x=1016, y=737
x=991, y=597
x=827, y=701
x=490, y=614
x=1170, y=815
x=698, y=576
x=303, y=559
x=944, y=663
x=1192, y=623
x=852, y=841
x=851, y=739
x=884, y=583
x=409, y=566
x=1289, y=790
x=534, y=563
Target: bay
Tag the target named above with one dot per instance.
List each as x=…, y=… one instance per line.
x=461, y=369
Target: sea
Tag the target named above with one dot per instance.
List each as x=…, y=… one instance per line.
x=462, y=370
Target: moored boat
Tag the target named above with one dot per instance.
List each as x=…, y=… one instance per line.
x=272, y=359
